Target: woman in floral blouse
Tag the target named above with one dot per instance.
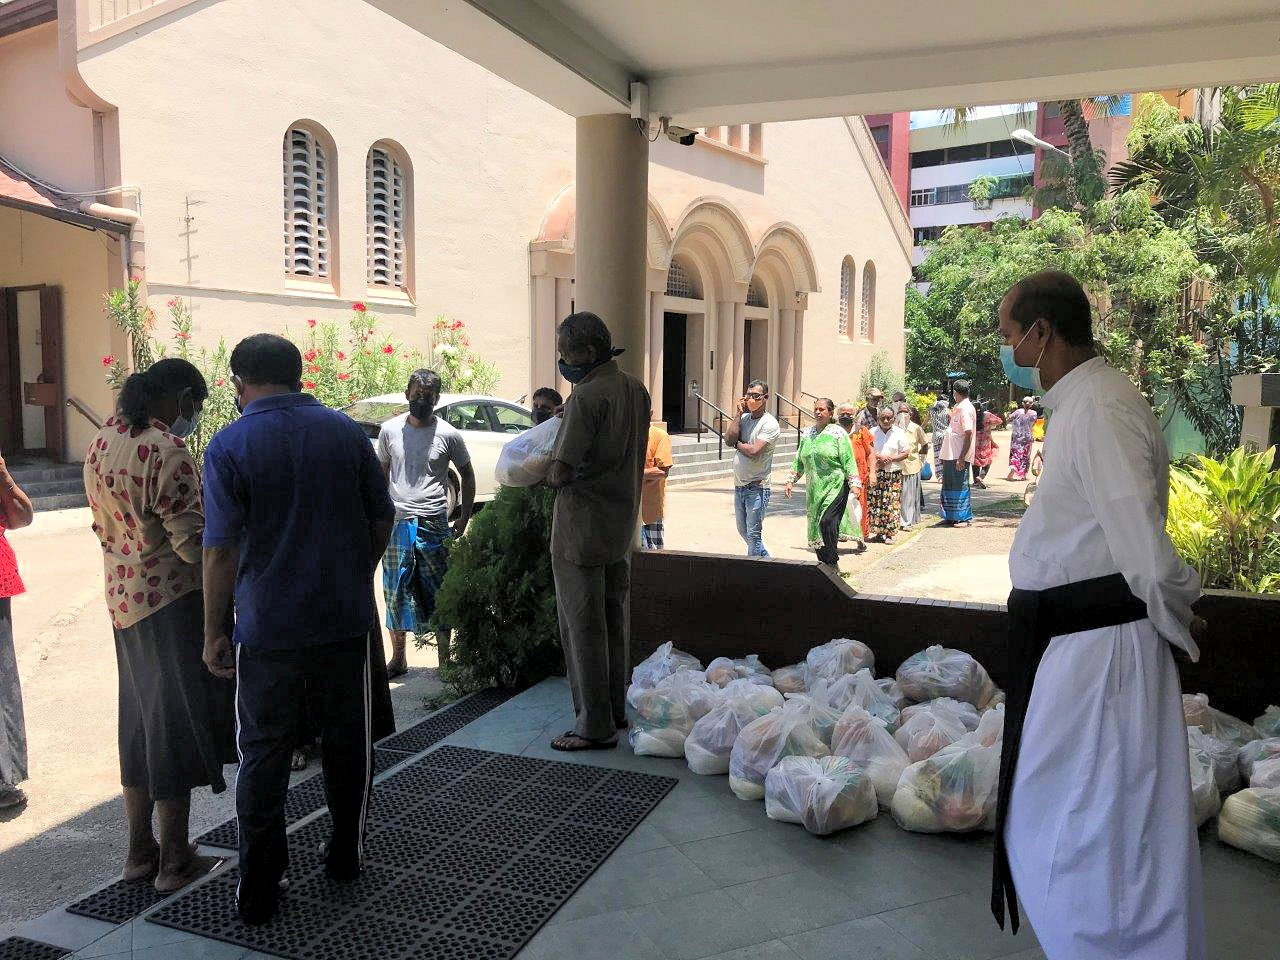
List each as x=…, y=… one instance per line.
x=176, y=723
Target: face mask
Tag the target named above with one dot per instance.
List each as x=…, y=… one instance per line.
x=421, y=408
x=576, y=372
x=1028, y=377
x=182, y=427
x=846, y=420
x=542, y=416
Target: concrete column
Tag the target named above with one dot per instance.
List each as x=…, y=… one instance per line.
x=786, y=353
x=612, y=217
x=771, y=364
x=542, y=353
x=739, y=348
x=798, y=363
x=564, y=307
x=657, y=332
x=724, y=356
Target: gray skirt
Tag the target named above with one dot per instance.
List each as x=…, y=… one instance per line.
x=177, y=720
x=912, y=494
x=13, y=729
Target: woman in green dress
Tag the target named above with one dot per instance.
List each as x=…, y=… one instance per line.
x=825, y=460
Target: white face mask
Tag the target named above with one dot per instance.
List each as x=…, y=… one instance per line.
x=182, y=427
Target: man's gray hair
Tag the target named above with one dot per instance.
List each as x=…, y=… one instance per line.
x=848, y=403
x=582, y=330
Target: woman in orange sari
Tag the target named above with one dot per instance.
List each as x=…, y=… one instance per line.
x=864, y=452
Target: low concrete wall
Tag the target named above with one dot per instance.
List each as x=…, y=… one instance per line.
x=713, y=605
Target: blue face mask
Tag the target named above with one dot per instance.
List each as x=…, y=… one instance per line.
x=1026, y=377
x=576, y=372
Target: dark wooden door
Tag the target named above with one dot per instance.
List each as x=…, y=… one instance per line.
x=11, y=372
x=674, y=371
x=53, y=389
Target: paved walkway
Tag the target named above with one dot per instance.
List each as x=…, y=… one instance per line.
x=709, y=876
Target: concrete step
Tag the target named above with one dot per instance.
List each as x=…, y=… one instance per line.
x=41, y=489
x=46, y=472
x=66, y=501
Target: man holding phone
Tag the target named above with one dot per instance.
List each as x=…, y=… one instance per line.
x=753, y=436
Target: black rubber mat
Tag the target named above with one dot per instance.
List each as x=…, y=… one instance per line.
x=119, y=902
x=20, y=948
x=468, y=854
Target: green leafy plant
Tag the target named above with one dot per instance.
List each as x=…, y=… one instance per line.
x=983, y=188
x=923, y=404
x=1224, y=519
x=460, y=370
x=339, y=371
x=499, y=598
x=880, y=373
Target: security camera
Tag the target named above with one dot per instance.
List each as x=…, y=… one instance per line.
x=681, y=135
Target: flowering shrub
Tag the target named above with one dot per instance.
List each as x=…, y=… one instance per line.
x=339, y=370
x=461, y=371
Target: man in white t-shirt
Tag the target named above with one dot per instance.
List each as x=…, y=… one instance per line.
x=753, y=436
x=416, y=450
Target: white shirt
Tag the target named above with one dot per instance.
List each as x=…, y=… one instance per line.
x=964, y=419
x=890, y=444
x=1101, y=502
x=755, y=469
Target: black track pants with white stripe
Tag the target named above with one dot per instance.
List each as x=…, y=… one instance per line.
x=332, y=681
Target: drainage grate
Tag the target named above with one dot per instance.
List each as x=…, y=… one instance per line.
x=20, y=948
x=119, y=902
x=465, y=866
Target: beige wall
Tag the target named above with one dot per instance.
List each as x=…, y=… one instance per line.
x=37, y=250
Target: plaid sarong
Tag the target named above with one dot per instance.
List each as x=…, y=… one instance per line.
x=652, y=536
x=955, y=492
x=412, y=570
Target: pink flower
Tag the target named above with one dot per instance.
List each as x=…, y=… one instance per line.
x=219, y=382
x=313, y=368
x=109, y=360
x=388, y=349
x=308, y=385
x=309, y=356
x=344, y=376
x=173, y=303
x=359, y=307
x=311, y=323
x=135, y=279
x=341, y=355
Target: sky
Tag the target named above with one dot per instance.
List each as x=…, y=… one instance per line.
x=937, y=118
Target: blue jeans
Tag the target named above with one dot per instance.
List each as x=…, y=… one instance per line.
x=749, y=504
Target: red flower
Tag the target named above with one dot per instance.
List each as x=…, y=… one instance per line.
x=309, y=356
x=341, y=355
x=311, y=323
x=456, y=325
x=183, y=335
x=388, y=349
x=173, y=302
x=109, y=360
x=466, y=341
x=219, y=382
x=344, y=376
x=308, y=385
x=313, y=368
x=359, y=307
x=135, y=279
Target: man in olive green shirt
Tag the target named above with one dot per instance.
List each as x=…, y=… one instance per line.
x=597, y=470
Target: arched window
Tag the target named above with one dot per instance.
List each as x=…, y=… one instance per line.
x=867, y=314
x=387, y=217
x=846, y=280
x=308, y=174
x=680, y=283
x=756, y=297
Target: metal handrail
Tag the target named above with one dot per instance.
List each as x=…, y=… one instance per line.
x=800, y=419
x=85, y=412
x=701, y=423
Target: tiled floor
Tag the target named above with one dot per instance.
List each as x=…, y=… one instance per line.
x=709, y=876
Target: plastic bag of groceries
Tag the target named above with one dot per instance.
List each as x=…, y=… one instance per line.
x=711, y=740
x=925, y=733
x=866, y=742
x=785, y=731
x=825, y=794
x=525, y=459
x=830, y=660
x=1205, y=798
x=860, y=689
x=1197, y=712
x=1257, y=750
x=722, y=670
x=823, y=713
x=990, y=730
x=1268, y=725
x=1266, y=774
x=789, y=679
x=662, y=663
x=1250, y=820
x=954, y=791
x=938, y=671
x=662, y=716
x=890, y=687
x=964, y=713
x=1224, y=756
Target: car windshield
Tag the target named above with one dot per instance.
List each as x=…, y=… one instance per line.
x=375, y=412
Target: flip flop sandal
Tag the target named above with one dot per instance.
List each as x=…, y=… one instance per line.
x=607, y=744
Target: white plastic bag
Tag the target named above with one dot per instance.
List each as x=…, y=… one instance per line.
x=1250, y=820
x=865, y=741
x=786, y=731
x=1266, y=774
x=525, y=459
x=953, y=791
x=1197, y=712
x=824, y=794
x=823, y=714
x=711, y=740
x=926, y=732
x=1224, y=756
x=1257, y=750
x=962, y=712
x=1204, y=789
x=860, y=689
x=789, y=679
x=938, y=671
x=830, y=660
x=890, y=687
x=1268, y=725
x=660, y=664
x=662, y=716
x=722, y=670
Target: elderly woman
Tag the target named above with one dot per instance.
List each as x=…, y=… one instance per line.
x=912, y=488
x=885, y=499
x=825, y=460
x=940, y=417
x=854, y=527
x=15, y=512
x=176, y=721
x=1022, y=423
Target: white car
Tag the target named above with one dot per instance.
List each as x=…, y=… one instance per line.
x=486, y=423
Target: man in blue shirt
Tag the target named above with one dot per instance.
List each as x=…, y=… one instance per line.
x=296, y=517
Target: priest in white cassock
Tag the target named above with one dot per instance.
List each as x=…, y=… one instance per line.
x=1095, y=827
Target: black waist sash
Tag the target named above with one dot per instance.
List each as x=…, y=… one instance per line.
x=1035, y=618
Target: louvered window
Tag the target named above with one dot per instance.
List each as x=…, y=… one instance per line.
x=867, y=315
x=846, y=274
x=755, y=295
x=306, y=205
x=385, y=212
x=680, y=284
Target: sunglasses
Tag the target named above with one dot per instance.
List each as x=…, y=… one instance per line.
x=755, y=396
